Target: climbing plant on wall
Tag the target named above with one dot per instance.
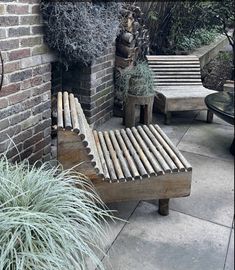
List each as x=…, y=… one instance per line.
x=80, y=31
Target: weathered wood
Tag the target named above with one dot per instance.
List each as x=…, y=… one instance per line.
x=161, y=150
x=67, y=117
x=168, y=149
x=176, y=151
x=134, y=154
x=153, y=149
x=177, y=71
x=163, y=207
x=165, y=186
x=74, y=114
x=148, y=154
x=101, y=155
x=115, y=160
x=140, y=152
x=60, y=122
x=107, y=157
x=127, y=155
x=127, y=37
x=120, y=156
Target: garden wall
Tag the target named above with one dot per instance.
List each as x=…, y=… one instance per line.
x=94, y=87
x=25, y=106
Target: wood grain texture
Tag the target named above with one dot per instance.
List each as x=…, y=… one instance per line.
x=182, y=75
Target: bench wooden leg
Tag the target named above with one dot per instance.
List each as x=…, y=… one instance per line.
x=167, y=118
x=209, y=117
x=163, y=207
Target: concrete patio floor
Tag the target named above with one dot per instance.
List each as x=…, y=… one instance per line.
x=198, y=233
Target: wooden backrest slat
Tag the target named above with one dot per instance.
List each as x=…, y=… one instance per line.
x=67, y=116
x=60, y=121
x=175, y=69
x=74, y=119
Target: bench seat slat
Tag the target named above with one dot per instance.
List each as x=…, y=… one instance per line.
x=176, y=151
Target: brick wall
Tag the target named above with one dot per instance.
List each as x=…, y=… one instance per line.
x=25, y=106
x=94, y=87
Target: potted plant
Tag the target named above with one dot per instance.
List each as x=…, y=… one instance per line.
x=138, y=89
x=46, y=222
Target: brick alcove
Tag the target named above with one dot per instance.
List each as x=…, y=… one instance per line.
x=32, y=76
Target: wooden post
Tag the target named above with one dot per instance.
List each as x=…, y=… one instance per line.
x=209, y=118
x=167, y=118
x=163, y=207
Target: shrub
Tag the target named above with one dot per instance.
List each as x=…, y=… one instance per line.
x=45, y=221
x=137, y=80
x=81, y=30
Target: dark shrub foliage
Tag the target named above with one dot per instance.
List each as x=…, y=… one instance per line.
x=80, y=31
x=182, y=25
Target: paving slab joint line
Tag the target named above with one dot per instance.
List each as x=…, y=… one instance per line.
x=120, y=231
x=217, y=158
x=219, y=224
x=227, y=250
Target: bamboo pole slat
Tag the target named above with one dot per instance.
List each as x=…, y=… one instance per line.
x=74, y=115
x=101, y=155
x=67, y=117
x=107, y=157
x=113, y=155
x=60, y=121
x=168, y=149
x=140, y=152
x=135, y=156
x=80, y=121
x=148, y=154
x=127, y=155
x=153, y=149
x=159, y=147
x=176, y=151
x=120, y=156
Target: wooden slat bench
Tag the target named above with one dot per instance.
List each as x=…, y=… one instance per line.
x=140, y=163
x=178, y=84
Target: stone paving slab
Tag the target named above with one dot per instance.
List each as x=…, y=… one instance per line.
x=212, y=194
x=201, y=116
x=175, y=242
x=229, y=265
x=212, y=140
x=122, y=211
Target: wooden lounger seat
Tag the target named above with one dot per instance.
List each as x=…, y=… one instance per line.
x=178, y=84
x=140, y=163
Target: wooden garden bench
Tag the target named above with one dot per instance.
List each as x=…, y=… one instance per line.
x=178, y=84
x=140, y=163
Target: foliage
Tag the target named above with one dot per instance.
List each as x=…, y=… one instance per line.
x=137, y=80
x=45, y=221
x=200, y=37
x=80, y=30
x=173, y=22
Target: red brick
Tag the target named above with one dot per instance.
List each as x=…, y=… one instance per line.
x=30, y=42
x=9, y=44
x=19, y=31
x=16, y=98
x=30, y=20
x=11, y=67
x=9, y=20
x=20, y=76
x=9, y=89
x=17, y=9
x=33, y=140
x=18, y=54
x=36, y=80
x=3, y=102
x=36, y=9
